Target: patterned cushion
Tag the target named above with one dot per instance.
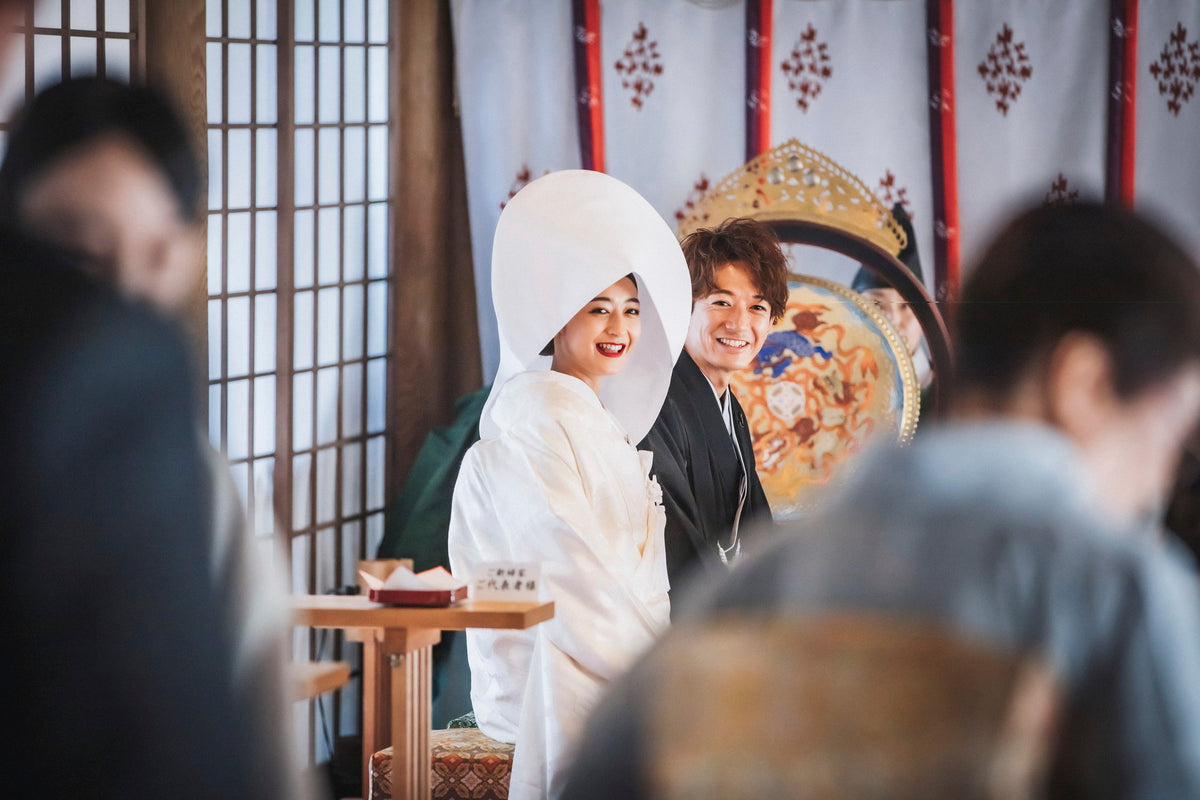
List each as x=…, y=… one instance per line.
x=467, y=765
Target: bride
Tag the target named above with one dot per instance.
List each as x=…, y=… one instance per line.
x=592, y=297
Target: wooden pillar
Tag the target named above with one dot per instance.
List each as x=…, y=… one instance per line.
x=434, y=335
x=397, y=674
x=411, y=716
x=376, y=696
x=171, y=42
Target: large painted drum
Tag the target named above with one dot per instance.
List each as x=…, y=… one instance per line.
x=832, y=375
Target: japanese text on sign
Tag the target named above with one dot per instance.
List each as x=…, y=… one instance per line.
x=506, y=581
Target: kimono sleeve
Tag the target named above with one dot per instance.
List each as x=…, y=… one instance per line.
x=547, y=515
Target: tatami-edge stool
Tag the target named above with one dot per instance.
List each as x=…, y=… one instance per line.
x=467, y=765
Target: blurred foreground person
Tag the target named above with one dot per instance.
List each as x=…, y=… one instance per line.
x=106, y=172
x=1182, y=516
x=1022, y=524
x=123, y=672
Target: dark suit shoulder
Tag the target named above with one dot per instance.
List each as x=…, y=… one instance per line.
x=668, y=429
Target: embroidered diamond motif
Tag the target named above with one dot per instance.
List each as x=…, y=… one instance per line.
x=699, y=188
x=1005, y=69
x=807, y=67
x=524, y=176
x=639, y=65
x=1177, y=69
x=890, y=193
x=1061, y=193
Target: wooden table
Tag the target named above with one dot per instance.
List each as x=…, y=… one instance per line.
x=310, y=679
x=397, y=669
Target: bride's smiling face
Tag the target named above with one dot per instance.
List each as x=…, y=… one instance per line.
x=596, y=342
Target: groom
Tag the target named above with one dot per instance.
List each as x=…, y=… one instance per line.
x=703, y=453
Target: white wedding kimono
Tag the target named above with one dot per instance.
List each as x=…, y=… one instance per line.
x=563, y=486
x=554, y=478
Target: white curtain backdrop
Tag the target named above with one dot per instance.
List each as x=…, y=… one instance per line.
x=516, y=92
x=1167, y=180
x=1030, y=87
x=691, y=124
x=1042, y=117
x=866, y=105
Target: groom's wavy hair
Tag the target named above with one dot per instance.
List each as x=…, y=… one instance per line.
x=742, y=240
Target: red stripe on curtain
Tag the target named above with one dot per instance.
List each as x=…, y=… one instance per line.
x=759, y=24
x=585, y=17
x=939, y=15
x=1122, y=107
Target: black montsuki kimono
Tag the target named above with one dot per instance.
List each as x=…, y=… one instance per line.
x=698, y=469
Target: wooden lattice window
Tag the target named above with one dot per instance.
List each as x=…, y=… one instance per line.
x=69, y=38
x=298, y=282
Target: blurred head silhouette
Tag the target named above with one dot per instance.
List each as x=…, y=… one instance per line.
x=11, y=14
x=1087, y=318
x=107, y=171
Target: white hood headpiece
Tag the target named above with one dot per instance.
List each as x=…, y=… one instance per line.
x=562, y=240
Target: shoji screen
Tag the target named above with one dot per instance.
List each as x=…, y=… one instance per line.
x=298, y=283
x=65, y=38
